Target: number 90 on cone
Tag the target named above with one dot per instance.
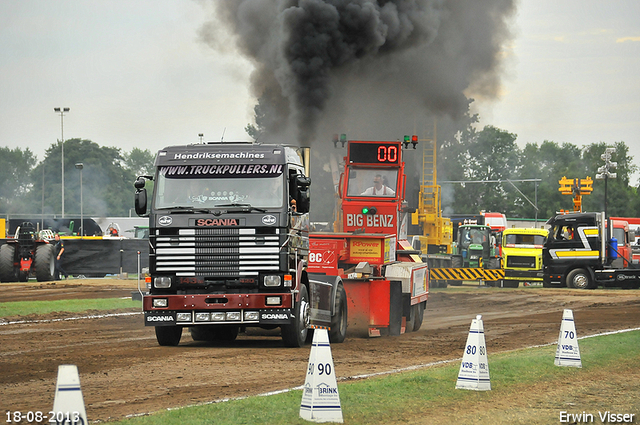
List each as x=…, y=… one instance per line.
x=320, y=397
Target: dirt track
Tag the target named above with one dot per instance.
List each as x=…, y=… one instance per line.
x=123, y=371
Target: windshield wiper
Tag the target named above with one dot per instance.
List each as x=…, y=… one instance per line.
x=182, y=208
x=244, y=206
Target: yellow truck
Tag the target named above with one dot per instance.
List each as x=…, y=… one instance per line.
x=522, y=255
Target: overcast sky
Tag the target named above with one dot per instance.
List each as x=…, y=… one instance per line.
x=135, y=74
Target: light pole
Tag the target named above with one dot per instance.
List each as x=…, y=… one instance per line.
x=604, y=173
x=61, y=111
x=79, y=166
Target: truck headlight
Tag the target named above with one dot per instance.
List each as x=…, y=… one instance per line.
x=272, y=281
x=233, y=315
x=218, y=317
x=203, y=317
x=163, y=282
x=250, y=316
x=160, y=302
x=273, y=301
x=183, y=317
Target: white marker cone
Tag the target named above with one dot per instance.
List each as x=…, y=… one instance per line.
x=320, y=398
x=568, y=352
x=474, y=370
x=68, y=404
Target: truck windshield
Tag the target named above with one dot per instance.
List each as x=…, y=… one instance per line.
x=259, y=191
x=372, y=182
x=524, y=241
x=619, y=234
x=472, y=235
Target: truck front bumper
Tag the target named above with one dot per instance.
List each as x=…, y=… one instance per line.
x=227, y=309
x=533, y=275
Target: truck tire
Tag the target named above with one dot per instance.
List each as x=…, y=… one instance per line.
x=44, y=263
x=295, y=333
x=510, y=283
x=168, y=335
x=8, y=273
x=580, y=279
x=418, y=315
x=227, y=333
x=338, y=331
x=214, y=333
x=437, y=283
x=493, y=263
x=203, y=333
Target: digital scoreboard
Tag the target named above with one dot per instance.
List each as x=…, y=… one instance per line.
x=383, y=153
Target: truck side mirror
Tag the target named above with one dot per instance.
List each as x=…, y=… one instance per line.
x=139, y=183
x=140, y=200
x=302, y=195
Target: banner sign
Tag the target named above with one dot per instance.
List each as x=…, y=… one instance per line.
x=221, y=171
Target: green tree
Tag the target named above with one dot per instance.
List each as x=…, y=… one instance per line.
x=106, y=182
x=139, y=162
x=15, y=167
x=490, y=154
x=549, y=162
x=622, y=199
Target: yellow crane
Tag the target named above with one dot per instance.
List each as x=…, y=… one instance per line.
x=576, y=188
x=437, y=231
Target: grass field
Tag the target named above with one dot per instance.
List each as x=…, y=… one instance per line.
x=25, y=308
x=526, y=389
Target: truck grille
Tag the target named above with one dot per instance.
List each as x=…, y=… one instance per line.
x=218, y=252
x=528, y=262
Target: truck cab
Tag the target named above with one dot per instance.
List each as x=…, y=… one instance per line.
x=573, y=250
x=228, y=237
x=621, y=233
x=581, y=253
x=522, y=255
x=372, y=189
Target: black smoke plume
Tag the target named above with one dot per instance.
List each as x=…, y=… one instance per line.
x=373, y=69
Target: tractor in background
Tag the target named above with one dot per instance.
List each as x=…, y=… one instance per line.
x=27, y=253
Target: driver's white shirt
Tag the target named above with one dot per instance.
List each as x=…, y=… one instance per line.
x=384, y=191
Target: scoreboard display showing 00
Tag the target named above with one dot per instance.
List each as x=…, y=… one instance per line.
x=374, y=153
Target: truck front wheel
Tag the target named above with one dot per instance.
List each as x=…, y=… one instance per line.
x=168, y=335
x=295, y=333
x=339, y=321
x=580, y=279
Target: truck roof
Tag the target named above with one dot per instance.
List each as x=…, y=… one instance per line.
x=573, y=217
x=227, y=153
x=525, y=231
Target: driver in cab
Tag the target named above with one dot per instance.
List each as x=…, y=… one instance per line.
x=378, y=188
